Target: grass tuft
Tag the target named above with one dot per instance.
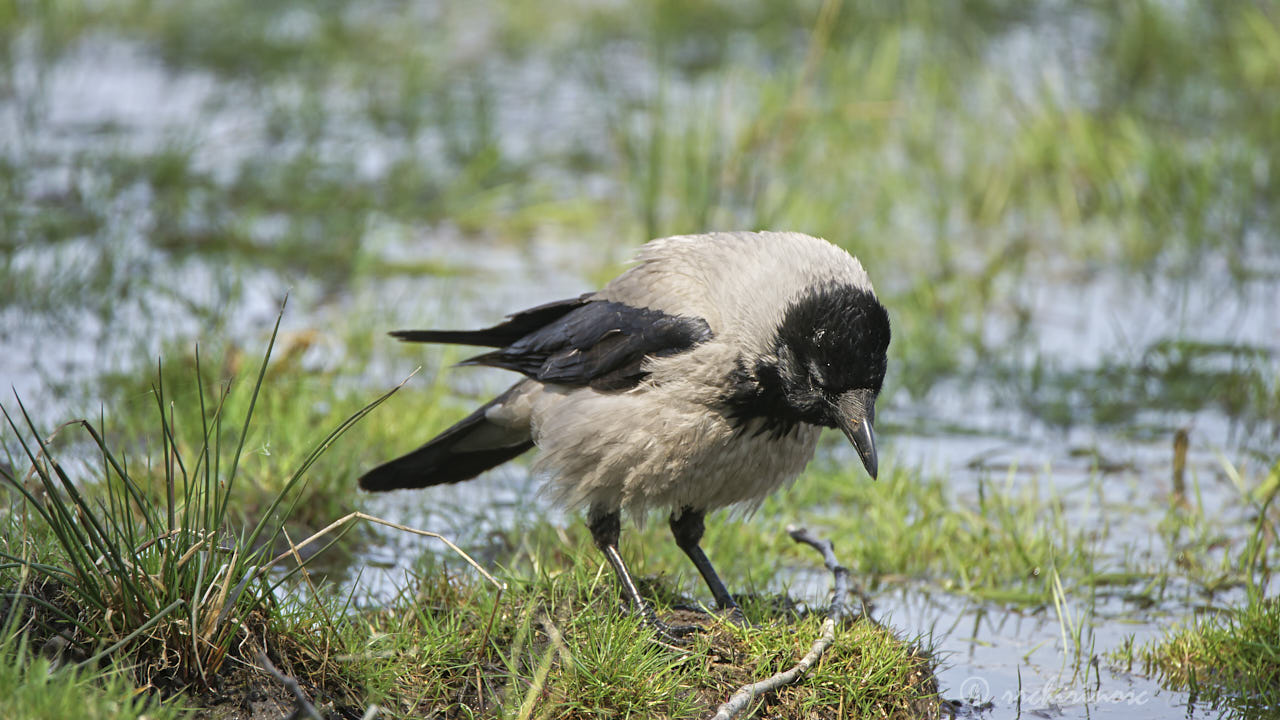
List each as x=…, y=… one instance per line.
x=163, y=583
x=1232, y=656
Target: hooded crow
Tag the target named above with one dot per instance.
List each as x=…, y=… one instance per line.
x=699, y=378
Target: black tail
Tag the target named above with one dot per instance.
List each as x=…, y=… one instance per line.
x=462, y=452
x=474, y=444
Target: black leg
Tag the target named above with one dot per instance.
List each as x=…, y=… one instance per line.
x=687, y=527
x=606, y=527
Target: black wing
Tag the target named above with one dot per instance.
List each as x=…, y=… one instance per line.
x=596, y=343
x=517, y=326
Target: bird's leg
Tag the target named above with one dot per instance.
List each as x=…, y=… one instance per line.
x=687, y=527
x=606, y=527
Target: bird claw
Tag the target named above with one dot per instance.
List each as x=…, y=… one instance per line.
x=735, y=616
x=678, y=635
x=732, y=614
x=672, y=634
x=680, y=632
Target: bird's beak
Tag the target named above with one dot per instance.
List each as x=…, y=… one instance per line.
x=855, y=411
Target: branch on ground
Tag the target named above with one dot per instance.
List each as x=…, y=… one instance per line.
x=840, y=608
x=302, y=707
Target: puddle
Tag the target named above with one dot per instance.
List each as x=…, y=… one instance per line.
x=129, y=299
x=1001, y=664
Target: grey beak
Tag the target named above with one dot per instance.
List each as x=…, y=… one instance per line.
x=855, y=411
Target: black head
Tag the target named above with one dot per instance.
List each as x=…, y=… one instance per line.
x=833, y=340
x=830, y=363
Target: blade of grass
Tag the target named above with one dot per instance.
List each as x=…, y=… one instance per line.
x=248, y=416
x=267, y=515
x=150, y=623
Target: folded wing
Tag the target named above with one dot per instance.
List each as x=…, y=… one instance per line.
x=581, y=342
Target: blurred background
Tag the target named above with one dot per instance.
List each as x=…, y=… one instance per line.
x=1068, y=207
x=1070, y=203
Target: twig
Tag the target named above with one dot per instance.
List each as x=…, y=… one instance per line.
x=397, y=526
x=839, y=609
x=302, y=706
x=840, y=585
x=350, y=517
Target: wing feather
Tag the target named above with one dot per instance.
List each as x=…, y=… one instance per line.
x=600, y=344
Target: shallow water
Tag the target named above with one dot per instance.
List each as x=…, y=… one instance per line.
x=110, y=301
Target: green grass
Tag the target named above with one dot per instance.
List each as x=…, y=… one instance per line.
x=560, y=646
x=911, y=527
x=963, y=169
x=875, y=128
x=1230, y=656
x=845, y=123
x=31, y=687
x=146, y=569
x=297, y=396
x=555, y=644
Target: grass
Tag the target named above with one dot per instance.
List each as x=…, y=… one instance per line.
x=296, y=397
x=555, y=644
x=560, y=647
x=159, y=576
x=436, y=633
x=969, y=155
x=844, y=123
x=1229, y=657
x=31, y=686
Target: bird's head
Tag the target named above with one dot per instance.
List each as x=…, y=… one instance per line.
x=830, y=365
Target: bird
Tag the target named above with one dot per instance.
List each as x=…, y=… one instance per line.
x=699, y=378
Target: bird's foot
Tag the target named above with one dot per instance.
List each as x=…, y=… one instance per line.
x=678, y=634
x=673, y=634
x=704, y=618
x=735, y=616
